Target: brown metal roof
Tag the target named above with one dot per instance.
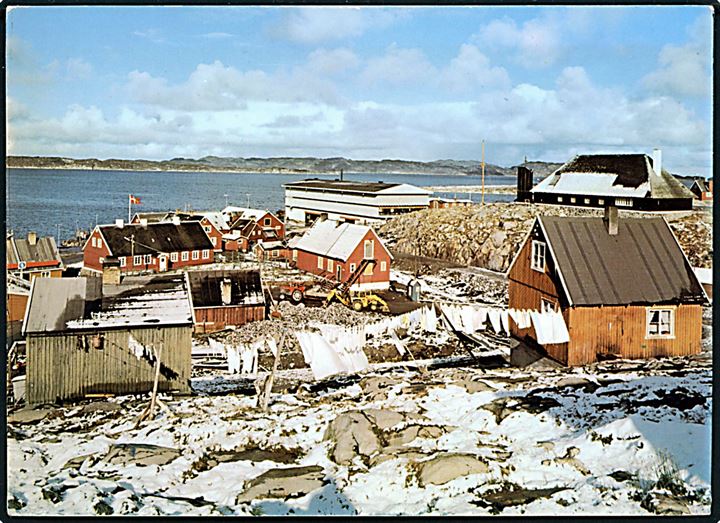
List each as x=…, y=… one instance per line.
x=337, y=185
x=641, y=264
x=155, y=238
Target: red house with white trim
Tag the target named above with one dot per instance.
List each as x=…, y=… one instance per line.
x=253, y=226
x=213, y=223
x=156, y=247
x=334, y=250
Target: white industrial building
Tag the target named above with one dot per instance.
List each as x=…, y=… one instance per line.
x=351, y=201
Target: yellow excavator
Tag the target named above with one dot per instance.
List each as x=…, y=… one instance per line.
x=357, y=300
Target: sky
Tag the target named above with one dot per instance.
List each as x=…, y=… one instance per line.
x=407, y=83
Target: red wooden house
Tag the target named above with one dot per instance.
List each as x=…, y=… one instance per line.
x=334, y=250
x=624, y=287
x=156, y=247
x=213, y=223
x=253, y=226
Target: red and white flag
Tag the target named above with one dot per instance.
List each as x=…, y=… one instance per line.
x=135, y=200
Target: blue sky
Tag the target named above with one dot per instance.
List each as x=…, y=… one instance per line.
x=364, y=83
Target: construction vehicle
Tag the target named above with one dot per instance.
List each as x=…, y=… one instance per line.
x=357, y=300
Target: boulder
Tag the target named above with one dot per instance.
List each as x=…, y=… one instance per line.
x=352, y=434
x=28, y=416
x=447, y=467
x=140, y=454
x=283, y=483
x=411, y=432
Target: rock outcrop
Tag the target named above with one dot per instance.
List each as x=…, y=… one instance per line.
x=489, y=236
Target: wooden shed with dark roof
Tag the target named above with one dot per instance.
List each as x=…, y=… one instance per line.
x=624, y=287
x=630, y=181
x=226, y=297
x=32, y=256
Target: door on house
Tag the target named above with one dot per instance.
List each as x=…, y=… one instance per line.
x=162, y=263
x=369, y=249
x=338, y=273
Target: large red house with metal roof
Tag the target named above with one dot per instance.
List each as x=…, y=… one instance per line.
x=155, y=247
x=336, y=250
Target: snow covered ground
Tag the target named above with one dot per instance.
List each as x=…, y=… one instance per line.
x=616, y=438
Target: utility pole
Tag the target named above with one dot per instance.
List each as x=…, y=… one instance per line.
x=482, y=199
x=226, y=199
x=58, y=234
x=248, y=199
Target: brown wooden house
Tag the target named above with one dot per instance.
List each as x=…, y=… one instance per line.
x=624, y=287
x=86, y=337
x=222, y=298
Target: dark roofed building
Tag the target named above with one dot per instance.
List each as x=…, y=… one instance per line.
x=630, y=181
x=155, y=247
x=624, y=287
x=83, y=336
x=700, y=187
x=32, y=256
x=226, y=297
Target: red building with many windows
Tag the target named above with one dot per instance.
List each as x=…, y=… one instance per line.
x=156, y=247
x=334, y=250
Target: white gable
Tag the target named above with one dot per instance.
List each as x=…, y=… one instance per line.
x=405, y=188
x=600, y=184
x=245, y=213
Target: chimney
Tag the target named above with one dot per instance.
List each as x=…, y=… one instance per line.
x=111, y=271
x=657, y=161
x=611, y=220
x=119, y=223
x=32, y=237
x=175, y=220
x=341, y=174
x=226, y=291
x=143, y=223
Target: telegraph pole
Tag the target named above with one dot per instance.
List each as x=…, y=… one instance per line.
x=482, y=199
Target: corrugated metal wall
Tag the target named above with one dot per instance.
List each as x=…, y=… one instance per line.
x=59, y=368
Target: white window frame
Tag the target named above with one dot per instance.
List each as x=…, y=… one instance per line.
x=148, y=259
x=369, y=254
x=573, y=199
x=547, y=305
x=587, y=201
x=207, y=228
x=320, y=262
x=185, y=256
x=330, y=265
x=537, y=256
x=560, y=199
x=601, y=201
x=99, y=243
x=205, y=254
x=44, y=274
x=623, y=202
x=275, y=253
x=352, y=268
x=137, y=260
x=383, y=266
x=665, y=318
x=295, y=255
x=196, y=255
x=123, y=261
x=93, y=242
x=173, y=256
x=267, y=222
x=213, y=240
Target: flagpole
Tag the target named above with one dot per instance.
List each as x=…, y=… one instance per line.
x=129, y=206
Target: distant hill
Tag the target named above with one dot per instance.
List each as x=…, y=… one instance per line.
x=307, y=165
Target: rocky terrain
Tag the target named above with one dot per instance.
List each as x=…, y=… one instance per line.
x=489, y=236
x=617, y=438
x=280, y=165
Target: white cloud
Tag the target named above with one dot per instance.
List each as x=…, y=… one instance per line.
x=683, y=70
x=78, y=69
x=398, y=66
x=534, y=44
x=332, y=61
x=471, y=69
x=317, y=24
x=216, y=35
